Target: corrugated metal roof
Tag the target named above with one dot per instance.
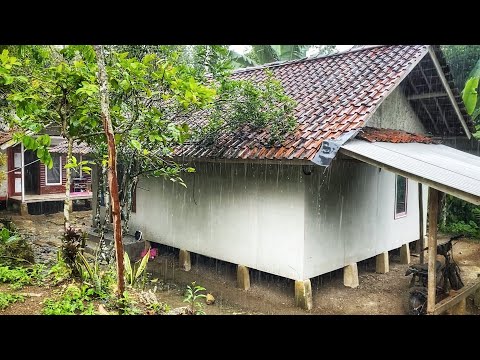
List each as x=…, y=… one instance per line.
x=439, y=166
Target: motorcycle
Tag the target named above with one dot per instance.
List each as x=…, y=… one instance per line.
x=447, y=277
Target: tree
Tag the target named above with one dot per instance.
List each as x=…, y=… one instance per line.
x=262, y=54
x=150, y=100
x=153, y=98
x=50, y=88
x=112, y=168
x=462, y=59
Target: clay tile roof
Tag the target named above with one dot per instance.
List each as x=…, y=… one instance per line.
x=5, y=137
x=81, y=149
x=334, y=94
x=392, y=136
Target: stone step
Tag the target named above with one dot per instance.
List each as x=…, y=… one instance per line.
x=131, y=246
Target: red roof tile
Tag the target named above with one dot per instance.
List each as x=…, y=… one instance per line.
x=5, y=136
x=334, y=94
x=392, y=136
x=81, y=149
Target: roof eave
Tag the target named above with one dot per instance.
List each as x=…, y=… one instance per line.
x=447, y=88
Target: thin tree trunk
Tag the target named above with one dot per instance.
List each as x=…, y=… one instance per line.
x=67, y=205
x=112, y=170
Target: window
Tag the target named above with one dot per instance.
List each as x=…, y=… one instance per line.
x=400, y=196
x=54, y=175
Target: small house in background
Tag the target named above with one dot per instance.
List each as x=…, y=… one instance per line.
x=349, y=184
x=31, y=186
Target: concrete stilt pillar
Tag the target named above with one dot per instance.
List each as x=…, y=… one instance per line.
x=350, y=275
x=476, y=298
x=23, y=209
x=303, y=294
x=460, y=308
x=405, y=254
x=382, y=266
x=184, y=260
x=243, y=277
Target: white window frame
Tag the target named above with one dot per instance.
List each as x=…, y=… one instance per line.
x=61, y=173
x=402, y=214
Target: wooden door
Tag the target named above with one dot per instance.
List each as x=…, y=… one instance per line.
x=15, y=172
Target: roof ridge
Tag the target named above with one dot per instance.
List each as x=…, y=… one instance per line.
x=311, y=58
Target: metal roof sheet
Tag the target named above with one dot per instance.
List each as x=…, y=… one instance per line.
x=441, y=167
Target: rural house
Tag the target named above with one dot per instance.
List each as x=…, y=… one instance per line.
x=31, y=185
x=342, y=188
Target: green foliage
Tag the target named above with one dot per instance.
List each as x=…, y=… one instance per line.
x=462, y=60
x=256, y=107
x=464, y=63
x=159, y=308
x=20, y=276
x=3, y=162
x=73, y=241
x=7, y=299
x=57, y=91
x=7, y=232
x=75, y=300
x=470, y=94
x=100, y=280
x=263, y=54
x=14, y=250
x=60, y=272
x=192, y=298
x=461, y=217
x=74, y=164
x=126, y=305
x=132, y=274
x=153, y=92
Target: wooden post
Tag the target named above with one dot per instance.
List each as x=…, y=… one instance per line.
x=432, y=247
x=22, y=162
x=421, y=241
x=243, y=277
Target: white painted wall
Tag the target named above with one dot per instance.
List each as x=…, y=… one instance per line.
x=396, y=113
x=349, y=216
x=245, y=214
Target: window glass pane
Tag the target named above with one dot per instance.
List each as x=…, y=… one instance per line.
x=401, y=195
x=53, y=174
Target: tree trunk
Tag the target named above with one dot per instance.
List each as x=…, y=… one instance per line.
x=112, y=170
x=67, y=205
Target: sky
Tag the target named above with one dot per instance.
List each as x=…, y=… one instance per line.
x=243, y=48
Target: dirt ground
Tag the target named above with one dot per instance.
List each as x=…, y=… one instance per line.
x=269, y=294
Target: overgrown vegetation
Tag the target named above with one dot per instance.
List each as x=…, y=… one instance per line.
x=14, y=250
x=7, y=299
x=18, y=277
x=460, y=217
x=75, y=300
x=73, y=243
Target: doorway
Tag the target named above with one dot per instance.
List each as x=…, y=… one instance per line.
x=32, y=173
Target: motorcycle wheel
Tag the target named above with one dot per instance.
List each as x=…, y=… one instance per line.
x=415, y=301
x=454, y=278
